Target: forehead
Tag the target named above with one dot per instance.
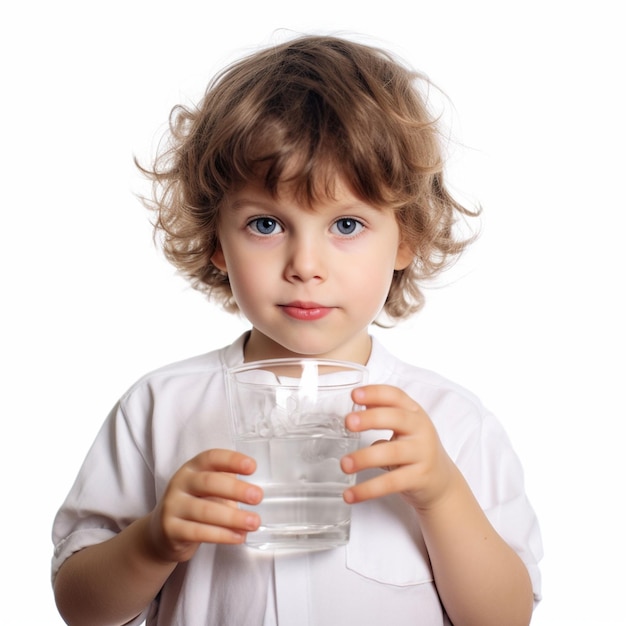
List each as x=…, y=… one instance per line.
x=337, y=195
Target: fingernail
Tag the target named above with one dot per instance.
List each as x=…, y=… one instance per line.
x=353, y=421
x=347, y=464
x=247, y=466
x=253, y=495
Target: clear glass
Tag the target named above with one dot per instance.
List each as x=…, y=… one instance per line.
x=288, y=414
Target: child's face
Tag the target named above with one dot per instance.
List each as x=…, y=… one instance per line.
x=309, y=281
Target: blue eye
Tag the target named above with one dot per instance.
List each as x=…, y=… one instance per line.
x=347, y=226
x=265, y=226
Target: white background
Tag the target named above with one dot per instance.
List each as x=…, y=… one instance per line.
x=532, y=319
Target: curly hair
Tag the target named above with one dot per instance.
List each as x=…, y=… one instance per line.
x=306, y=112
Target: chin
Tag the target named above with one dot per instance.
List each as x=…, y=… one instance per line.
x=306, y=342
x=306, y=349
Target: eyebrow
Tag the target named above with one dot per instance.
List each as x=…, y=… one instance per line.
x=238, y=204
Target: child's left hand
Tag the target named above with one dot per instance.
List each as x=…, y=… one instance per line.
x=479, y=577
x=418, y=466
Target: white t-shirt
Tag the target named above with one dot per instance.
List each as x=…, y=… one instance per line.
x=382, y=576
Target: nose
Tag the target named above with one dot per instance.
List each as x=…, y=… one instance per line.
x=306, y=260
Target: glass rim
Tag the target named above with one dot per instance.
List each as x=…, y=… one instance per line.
x=348, y=365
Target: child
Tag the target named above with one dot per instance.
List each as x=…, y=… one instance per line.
x=306, y=191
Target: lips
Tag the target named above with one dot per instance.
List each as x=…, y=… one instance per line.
x=305, y=311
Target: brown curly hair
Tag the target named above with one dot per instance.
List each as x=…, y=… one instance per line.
x=306, y=112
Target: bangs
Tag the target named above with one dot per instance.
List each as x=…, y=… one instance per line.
x=277, y=156
x=309, y=159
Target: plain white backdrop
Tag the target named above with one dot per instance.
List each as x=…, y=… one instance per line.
x=531, y=319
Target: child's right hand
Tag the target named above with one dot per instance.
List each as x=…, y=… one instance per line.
x=200, y=505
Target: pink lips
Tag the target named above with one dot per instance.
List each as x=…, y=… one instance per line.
x=306, y=311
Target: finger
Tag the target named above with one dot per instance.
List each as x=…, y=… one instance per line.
x=223, y=460
x=185, y=531
x=399, y=420
x=382, y=454
x=383, y=395
x=211, y=512
x=378, y=442
x=397, y=481
x=222, y=485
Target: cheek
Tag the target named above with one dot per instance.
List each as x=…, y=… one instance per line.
x=251, y=290
x=368, y=282
x=244, y=284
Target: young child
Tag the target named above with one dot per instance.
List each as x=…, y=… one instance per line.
x=306, y=192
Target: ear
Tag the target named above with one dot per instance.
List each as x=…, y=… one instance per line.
x=404, y=256
x=219, y=261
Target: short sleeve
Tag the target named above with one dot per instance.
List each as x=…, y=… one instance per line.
x=495, y=475
x=114, y=487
